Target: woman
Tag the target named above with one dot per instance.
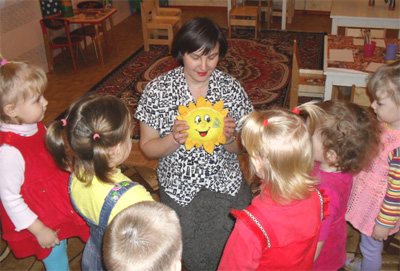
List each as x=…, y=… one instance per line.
x=201, y=187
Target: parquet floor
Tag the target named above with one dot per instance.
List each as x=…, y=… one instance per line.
x=65, y=86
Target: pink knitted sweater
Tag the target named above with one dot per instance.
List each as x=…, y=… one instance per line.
x=370, y=185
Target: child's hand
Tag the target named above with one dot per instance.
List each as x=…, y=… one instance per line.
x=46, y=237
x=178, y=131
x=229, y=128
x=380, y=233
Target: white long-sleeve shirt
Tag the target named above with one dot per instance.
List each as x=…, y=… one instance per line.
x=12, y=169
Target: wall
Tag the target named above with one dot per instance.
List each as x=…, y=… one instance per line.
x=20, y=34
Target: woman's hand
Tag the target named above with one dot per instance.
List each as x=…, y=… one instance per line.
x=178, y=131
x=229, y=129
x=380, y=233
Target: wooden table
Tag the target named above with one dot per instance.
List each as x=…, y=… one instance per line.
x=340, y=73
x=95, y=17
x=357, y=13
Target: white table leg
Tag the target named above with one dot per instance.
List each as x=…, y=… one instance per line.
x=328, y=88
x=334, y=28
x=284, y=9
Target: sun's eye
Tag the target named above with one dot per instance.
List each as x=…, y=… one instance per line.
x=197, y=119
x=207, y=118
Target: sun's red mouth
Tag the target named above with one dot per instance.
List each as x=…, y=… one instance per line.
x=203, y=133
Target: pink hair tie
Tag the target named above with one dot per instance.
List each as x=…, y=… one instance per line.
x=265, y=122
x=96, y=136
x=3, y=62
x=63, y=122
x=296, y=110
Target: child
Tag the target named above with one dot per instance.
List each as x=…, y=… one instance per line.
x=374, y=203
x=144, y=236
x=279, y=230
x=91, y=142
x=36, y=214
x=342, y=143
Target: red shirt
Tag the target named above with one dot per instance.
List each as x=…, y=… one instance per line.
x=45, y=191
x=292, y=230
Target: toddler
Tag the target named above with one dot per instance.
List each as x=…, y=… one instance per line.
x=92, y=141
x=342, y=144
x=144, y=236
x=279, y=230
x=373, y=207
x=36, y=213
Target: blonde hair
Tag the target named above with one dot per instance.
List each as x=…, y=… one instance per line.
x=144, y=236
x=19, y=80
x=282, y=142
x=82, y=140
x=385, y=82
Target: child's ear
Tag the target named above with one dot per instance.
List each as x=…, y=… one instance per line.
x=331, y=156
x=9, y=110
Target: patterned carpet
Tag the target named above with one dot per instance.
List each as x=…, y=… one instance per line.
x=262, y=66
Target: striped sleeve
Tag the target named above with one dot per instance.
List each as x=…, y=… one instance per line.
x=390, y=209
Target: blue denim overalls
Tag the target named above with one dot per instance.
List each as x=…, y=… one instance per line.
x=92, y=258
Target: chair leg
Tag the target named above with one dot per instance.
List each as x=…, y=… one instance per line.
x=71, y=51
x=95, y=48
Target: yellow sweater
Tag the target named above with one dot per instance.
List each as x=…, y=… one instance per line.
x=89, y=199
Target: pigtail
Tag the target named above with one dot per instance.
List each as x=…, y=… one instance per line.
x=56, y=145
x=313, y=113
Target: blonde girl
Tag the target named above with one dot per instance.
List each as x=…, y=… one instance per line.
x=36, y=214
x=279, y=230
x=92, y=141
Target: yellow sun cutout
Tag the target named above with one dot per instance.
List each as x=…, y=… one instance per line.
x=206, y=124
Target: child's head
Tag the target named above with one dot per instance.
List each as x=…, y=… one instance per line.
x=280, y=149
x=384, y=87
x=93, y=138
x=144, y=236
x=21, y=85
x=347, y=138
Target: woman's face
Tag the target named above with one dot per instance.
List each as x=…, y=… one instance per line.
x=198, y=67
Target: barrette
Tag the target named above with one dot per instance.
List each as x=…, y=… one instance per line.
x=265, y=122
x=296, y=110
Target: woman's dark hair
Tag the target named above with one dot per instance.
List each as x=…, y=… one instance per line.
x=198, y=33
x=81, y=141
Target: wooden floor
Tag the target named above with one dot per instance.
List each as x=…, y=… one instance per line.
x=65, y=86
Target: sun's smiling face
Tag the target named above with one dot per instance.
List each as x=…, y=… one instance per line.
x=206, y=124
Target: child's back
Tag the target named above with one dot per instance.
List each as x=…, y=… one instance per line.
x=279, y=230
x=92, y=142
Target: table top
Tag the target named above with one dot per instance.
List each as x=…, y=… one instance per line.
x=361, y=63
x=360, y=8
x=91, y=16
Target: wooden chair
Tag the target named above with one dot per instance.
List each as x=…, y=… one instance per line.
x=358, y=95
x=88, y=30
x=52, y=26
x=167, y=11
x=358, y=32
x=306, y=83
x=157, y=29
x=289, y=11
x=244, y=15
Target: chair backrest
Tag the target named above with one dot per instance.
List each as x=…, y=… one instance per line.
x=51, y=27
x=89, y=4
x=147, y=11
x=358, y=32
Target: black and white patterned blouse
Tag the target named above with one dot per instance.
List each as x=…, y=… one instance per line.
x=184, y=173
